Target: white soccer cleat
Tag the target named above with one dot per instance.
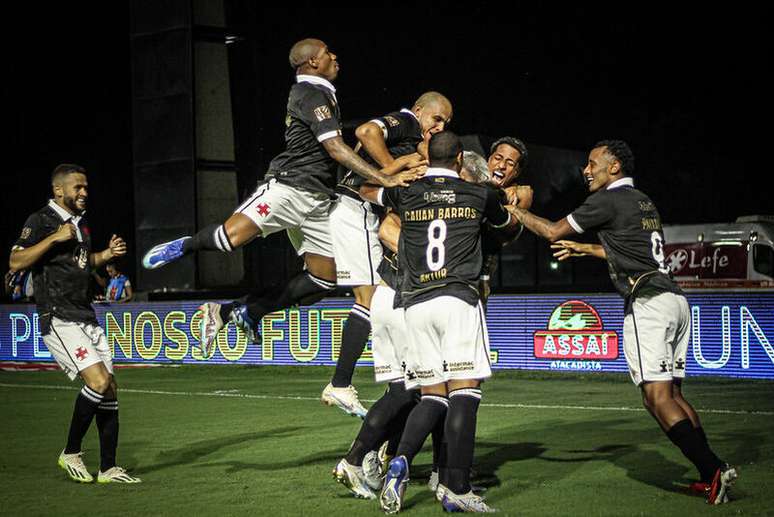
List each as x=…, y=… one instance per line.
x=353, y=478
x=210, y=325
x=372, y=470
x=433, y=485
x=75, y=468
x=116, y=475
x=470, y=502
x=344, y=398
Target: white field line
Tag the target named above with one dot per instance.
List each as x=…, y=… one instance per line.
x=229, y=394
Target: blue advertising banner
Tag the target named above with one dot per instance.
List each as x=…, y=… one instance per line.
x=731, y=334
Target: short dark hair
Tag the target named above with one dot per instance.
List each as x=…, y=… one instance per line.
x=443, y=149
x=63, y=169
x=516, y=144
x=622, y=152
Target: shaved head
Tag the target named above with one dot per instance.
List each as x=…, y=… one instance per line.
x=433, y=98
x=303, y=51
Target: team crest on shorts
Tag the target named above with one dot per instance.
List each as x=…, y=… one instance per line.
x=322, y=113
x=392, y=121
x=81, y=353
x=263, y=209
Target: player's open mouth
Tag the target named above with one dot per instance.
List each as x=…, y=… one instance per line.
x=498, y=174
x=589, y=179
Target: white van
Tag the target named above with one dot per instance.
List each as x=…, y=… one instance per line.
x=736, y=256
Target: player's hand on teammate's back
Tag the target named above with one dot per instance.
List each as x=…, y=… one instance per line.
x=65, y=232
x=402, y=179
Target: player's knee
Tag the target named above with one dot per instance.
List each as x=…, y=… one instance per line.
x=99, y=383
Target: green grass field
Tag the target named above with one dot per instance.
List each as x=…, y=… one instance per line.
x=255, y=441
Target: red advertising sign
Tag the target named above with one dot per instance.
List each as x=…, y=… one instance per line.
x=575, y=331
x=707, y=260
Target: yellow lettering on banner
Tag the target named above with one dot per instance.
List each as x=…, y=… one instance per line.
x=336, y=317
x=300, y=353
x=196, y=352
x=176, y=336
x=270, y=334
x=240, y=345
x=494, y=355
x=147, y=352
x=123, y=337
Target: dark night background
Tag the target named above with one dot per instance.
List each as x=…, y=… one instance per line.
x=682, y=86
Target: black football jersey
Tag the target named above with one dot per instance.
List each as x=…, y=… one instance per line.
x=629, y=228
x=61, y=277
x=402, y=134
x=440, y=238
x=388, y=269
x=313, y=116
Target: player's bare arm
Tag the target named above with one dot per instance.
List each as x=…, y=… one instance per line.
x=566, y=249
x=412, y=163
x=550, y=230
x=342, y=153
x=389, y=231
x=116, y=249
x=27, y=257
x=519, y=196
x=371, y=136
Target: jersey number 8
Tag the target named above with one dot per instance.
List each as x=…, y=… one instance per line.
x=436, y=253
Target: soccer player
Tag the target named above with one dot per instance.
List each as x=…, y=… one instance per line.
x=440, y=258
x=657, y=315
x=355, y=225
x=55, y=244
x=360, y=469
x=296, y=196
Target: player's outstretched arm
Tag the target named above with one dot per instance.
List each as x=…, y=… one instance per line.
x=566, y=249
x=552, y=231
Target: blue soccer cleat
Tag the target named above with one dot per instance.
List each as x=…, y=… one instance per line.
x=391, y=498
x=164, y=253
x=245, y=322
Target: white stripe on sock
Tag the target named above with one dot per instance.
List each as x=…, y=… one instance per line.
x=437, y=398
x=360, y=311
x=470, y=392
x=91, y=394
x=322, y=283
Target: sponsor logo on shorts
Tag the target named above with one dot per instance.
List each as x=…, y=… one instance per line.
x=680, y=364
x=424, y=374
x=81, y=353
x=462, y=366
x=322, y=113
x=263, y=209
x=382, y=369
x=575, y=332
x=343, y=275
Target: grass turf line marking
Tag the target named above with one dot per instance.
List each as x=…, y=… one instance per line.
x=220, y=393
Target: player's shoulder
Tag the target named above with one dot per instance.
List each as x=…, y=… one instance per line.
x=43, y=214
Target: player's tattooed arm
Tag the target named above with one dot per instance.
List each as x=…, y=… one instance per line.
x=566, y=249
x=342, y=153
x=552, y=231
